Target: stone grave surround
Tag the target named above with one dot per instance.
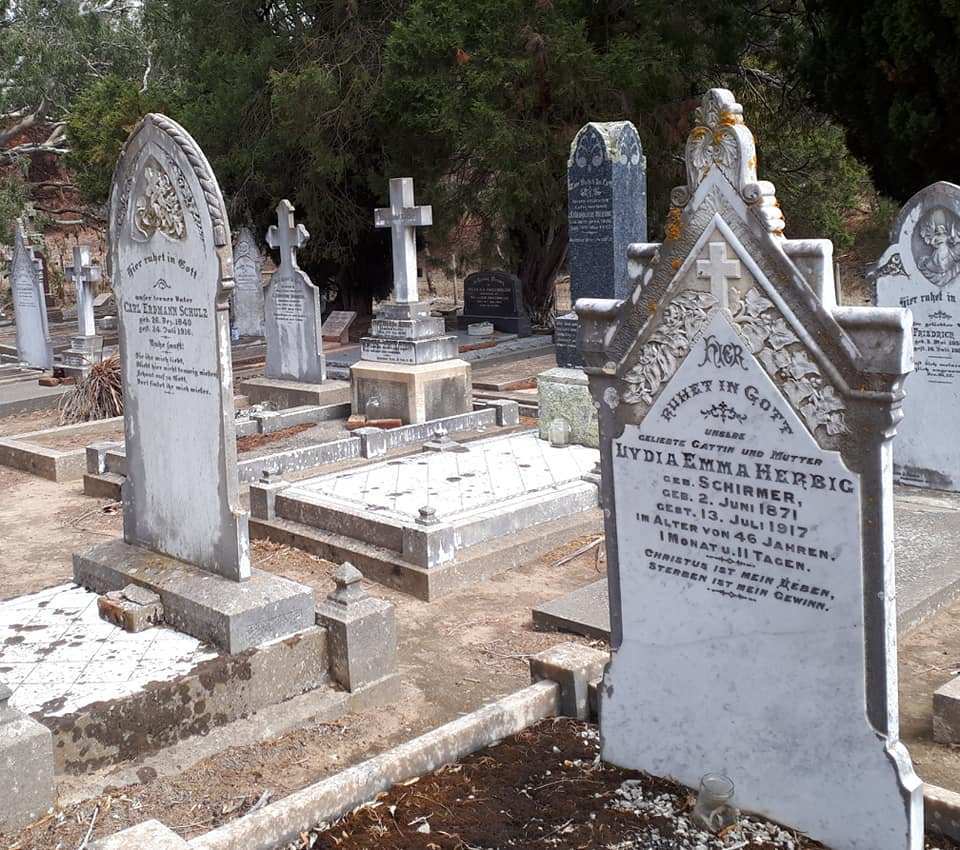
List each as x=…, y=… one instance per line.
x=746, y=424
x=408, y=368
x=184, y=533
x=495, y=297
x=921, y=271
x=29, y=303
x=247, y=302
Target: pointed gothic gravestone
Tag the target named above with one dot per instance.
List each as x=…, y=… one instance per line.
x=294, y=341
x=29, y=304
x=921, y=271
x=183, y=528
x=247, y=303
x=746, y=424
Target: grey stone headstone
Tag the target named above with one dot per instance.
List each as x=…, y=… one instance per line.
x=29, y=303
x=293, y=308
x=172, y=271
x=496, y=297
x=606, y=212
x=337, y=326
x=920, y=270
x=247, y=303
x=746, y=424
x=85, y=275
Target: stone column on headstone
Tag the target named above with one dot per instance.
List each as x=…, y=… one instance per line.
x=86, y=348
x=606, y=212
x=408, y=364
x=34, y=347
x=920, y=270
x=185, y=535
x=746, y=424
x=247, y=301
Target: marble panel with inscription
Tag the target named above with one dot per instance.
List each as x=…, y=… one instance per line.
x=745, y=429
x=246, y=303
x=29, y=304
x=172, y=264
x=921, y=272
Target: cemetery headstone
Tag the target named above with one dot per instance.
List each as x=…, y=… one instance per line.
x=185, y=535
x=86, y=348
x=247, y=302
x=921, y=271
x=746, y=424
x=29, y=304
x=336, y=329
x=293, y=307
x=408, y=366
x=606, y=211
x=497, y=297
x=172, y=272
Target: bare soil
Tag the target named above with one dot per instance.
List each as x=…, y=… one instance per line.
x=82, y=438
x=255, y=441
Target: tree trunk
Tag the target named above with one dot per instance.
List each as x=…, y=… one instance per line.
x=542, y=255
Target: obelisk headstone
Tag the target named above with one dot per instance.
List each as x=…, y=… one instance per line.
x=185, y=535
x=921, y=271
x=247, y=302
x=86, y=348
x=34, y=348
x=746, y=424
x=408, y=366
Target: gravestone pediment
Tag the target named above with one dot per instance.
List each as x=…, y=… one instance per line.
x=745, y=422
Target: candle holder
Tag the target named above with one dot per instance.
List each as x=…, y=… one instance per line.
x=558, y=433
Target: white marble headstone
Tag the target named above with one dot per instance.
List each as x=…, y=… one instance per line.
x=247, y=306
x=293, y=308
x=745, y=424
x=29, y=304
x=172, y=271
x=921, y=271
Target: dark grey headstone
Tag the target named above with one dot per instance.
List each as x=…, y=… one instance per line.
x=495, y=297
x=584, y=611
x=565, y=340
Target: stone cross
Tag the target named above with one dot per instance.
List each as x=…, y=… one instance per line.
x=402, y=217
x=84, y=274
x=719, y=270
x=287, y=237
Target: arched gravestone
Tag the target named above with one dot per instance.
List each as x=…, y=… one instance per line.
x=172, y=271
x=921, y=271
x=29, y=303
x=746, y=424
x=247, y=305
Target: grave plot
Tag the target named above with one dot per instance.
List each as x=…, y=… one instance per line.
x=58, y=454
x=430, y=522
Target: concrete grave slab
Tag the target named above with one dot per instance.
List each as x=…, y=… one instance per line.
x=584, y=611
x=433, y=521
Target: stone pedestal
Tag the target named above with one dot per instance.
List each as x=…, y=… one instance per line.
x=284, y=394
x=409, y=365
x=413, y=394
x=26, y=763
x=232, y=615
x=84, y=351
x=565, y=394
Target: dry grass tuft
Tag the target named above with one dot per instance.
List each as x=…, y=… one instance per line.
x=98, y=396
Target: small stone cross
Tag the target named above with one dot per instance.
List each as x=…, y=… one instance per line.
x=402, y=217
x=287, y=237
x=719, y=270
x=84, y=275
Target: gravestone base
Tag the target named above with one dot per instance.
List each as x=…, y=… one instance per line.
x=234, y=616
x=412, y=394
x=565, y=394
x=284, y=394
x=84, y=351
